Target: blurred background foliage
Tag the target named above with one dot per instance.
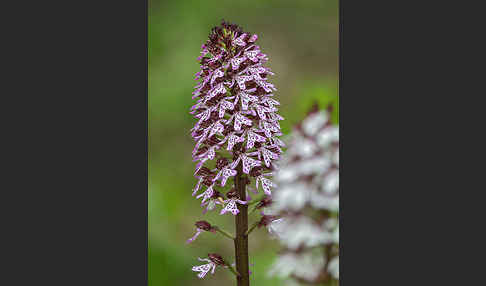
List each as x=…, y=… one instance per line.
x=301, y=41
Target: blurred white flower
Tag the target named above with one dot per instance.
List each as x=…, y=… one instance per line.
x=290, y=197
x=306, y=265
x=275, y=228
x=327, y=136
x=333, y=267
x=302, y=232
x=307, y=199
x=314, y=122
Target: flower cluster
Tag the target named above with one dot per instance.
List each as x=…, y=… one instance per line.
x=237, y=117
x=307, y=199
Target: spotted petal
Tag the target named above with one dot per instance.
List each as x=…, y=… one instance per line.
x=240, y=119
x=241, y=79
x=245, y=99
x=261, y=111
x=267, y=155
x=223, y=105
x=268, y=87
x=230, y=207
x=232, y=141
x=207, y=194
x=204, y=269
x=240, y=40
x=210, y=154
x=217, y=73
x=235, y=62
x=216, y=129
x=196, y=188
x=267, y=185
x=215, y=91
x=226, y=174
x=249, y=163
x=252, y=55
x=252, y=137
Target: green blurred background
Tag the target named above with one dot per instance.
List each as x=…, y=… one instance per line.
x=301, y=41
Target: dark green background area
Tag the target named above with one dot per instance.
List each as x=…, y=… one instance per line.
x=301, y=41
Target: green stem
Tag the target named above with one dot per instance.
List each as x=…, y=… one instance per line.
x=251, y=228
x=233, y=270
x=252, y=202
x=253, y=210
x=255, y=200
x=225, y=233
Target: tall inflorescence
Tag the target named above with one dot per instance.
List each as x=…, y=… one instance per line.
x=307, y=199
x=237, y=122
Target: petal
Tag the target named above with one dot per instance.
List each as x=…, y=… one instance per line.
x=240, y=40
x=198, y=232
x=267, y=185
x=235, y=62
x=196, y=188
x=217, y=73
x=252, y=55
x=249, y=163
x=232, y=141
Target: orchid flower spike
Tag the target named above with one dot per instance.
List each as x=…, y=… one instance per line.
x=237, y=120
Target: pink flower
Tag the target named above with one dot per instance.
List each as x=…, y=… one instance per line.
x=231, y=203
x=214, y=260
x=231, y=206
x=205, y=268
x=200, y=227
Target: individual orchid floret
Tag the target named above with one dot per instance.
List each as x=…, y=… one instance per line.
x=213, y=261
x=266, y=201
x=226, y=170
x=205, y=177
x=231, y=203
x=200, y=227
x=205, y=268
x=215, y=199
x=271, y=222
x=207, y=194
x=275, y=227
x=266, y=184
x=266, y=220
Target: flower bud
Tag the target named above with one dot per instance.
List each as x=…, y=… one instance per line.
x=216, y=259
x=266, y=220
x=208, y=180
x=221, y=163
x=204, y=171
x=231, y=193
x=265, y=202
x=204, y=225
